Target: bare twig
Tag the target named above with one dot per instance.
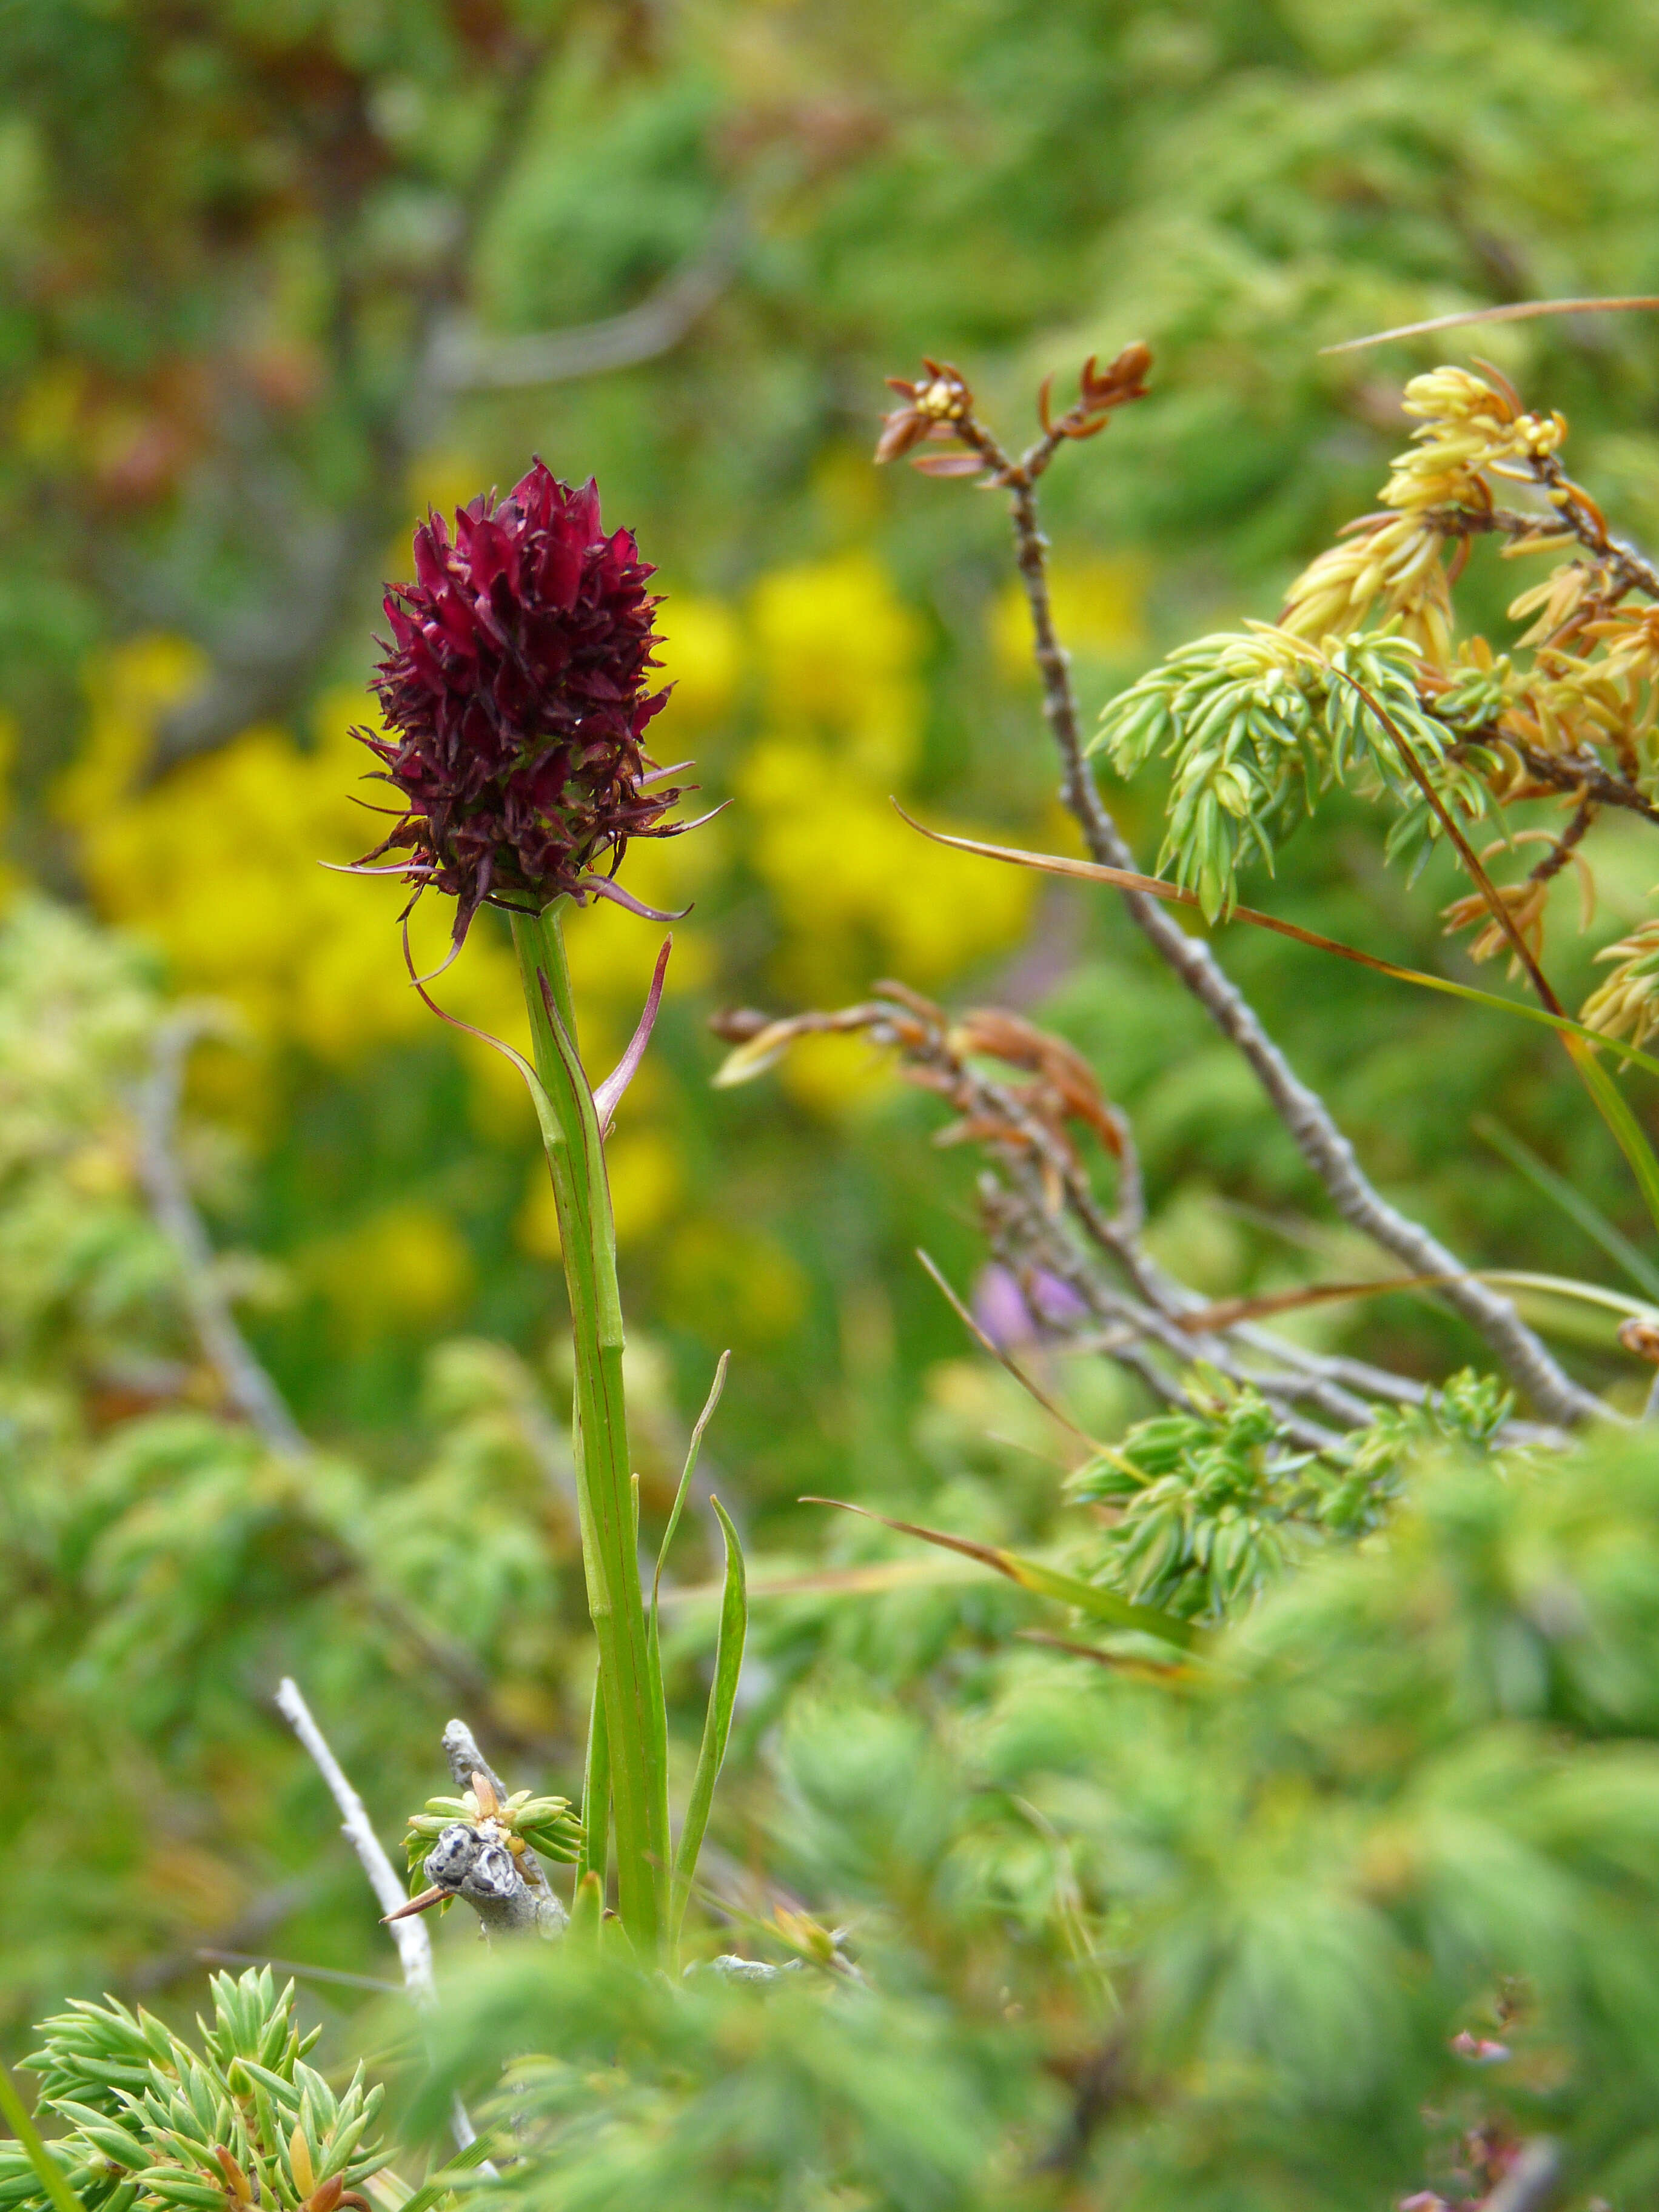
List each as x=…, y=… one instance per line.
x=1584, y=519
x=1304, y=1113
x=257, y=1920
x=462, y=360
x=1036, y=1192
x=413, y=1945
x=1005, y=1359
x=247, y=1386
x=1576, y=772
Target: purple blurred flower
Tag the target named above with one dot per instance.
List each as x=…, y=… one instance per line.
x=1012, y=1314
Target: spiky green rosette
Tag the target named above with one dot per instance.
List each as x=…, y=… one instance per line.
x=149, y=2122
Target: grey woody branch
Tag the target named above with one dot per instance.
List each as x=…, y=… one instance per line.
x=462, y=359
x=1305, y=1114
x=1043, y=1217
x=247, y=1388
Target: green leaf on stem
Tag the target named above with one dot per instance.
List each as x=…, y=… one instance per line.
x=587, y=1910
x=1045, y=1581
x=686, y=1473
x=717, y=1722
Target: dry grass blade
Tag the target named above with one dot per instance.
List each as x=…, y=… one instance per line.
x=1609, y=1102
x=1228, y=1313
x=1003, y=1359
x=1129, y=880
x=1520, y=310
x=1140, y=1670
x=877, y=1579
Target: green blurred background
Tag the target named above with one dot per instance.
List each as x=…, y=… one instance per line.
x=279, y=276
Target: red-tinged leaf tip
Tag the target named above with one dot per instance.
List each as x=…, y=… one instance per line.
x=605, y=887
x=608, y=1095
x=443, y=966
x=948, y=464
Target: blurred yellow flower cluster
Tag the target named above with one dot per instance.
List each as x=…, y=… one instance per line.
x=855, y=892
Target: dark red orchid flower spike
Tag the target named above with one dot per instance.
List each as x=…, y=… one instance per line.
x=516, y=693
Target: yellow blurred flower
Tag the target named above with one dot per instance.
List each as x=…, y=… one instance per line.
x=700, y=655
x=860, y=893
x=840, y=651
x=407, y=1265
x=722, y=1278
x=1100, y=612
x=220, y=864
x=646, y=1178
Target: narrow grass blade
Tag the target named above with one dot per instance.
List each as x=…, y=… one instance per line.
x=1608, y=1100
x=1525, y=958
x=1228, y=1313
x=1033, y=1574
x=596, y=1791
x=686, y=1473
x=659, y=1707
x=875, y=1579
x=47, y=2170
x=1628, y=1131
x=717, y=1723
x=1572, y=1201
x=1518, y=311
x=1003, y=1359
x=1128, y=879
x=438, y=2186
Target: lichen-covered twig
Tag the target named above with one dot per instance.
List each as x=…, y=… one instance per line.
x=477, y=1852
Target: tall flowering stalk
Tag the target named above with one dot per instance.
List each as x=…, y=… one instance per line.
x=515, y=696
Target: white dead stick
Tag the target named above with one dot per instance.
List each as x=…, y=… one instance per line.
x=413, y=1945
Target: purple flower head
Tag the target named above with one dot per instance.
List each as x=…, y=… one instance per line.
x=515, y=693
x=1014, y=1314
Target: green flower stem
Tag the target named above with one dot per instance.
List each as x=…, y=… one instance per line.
x=635, y=1728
